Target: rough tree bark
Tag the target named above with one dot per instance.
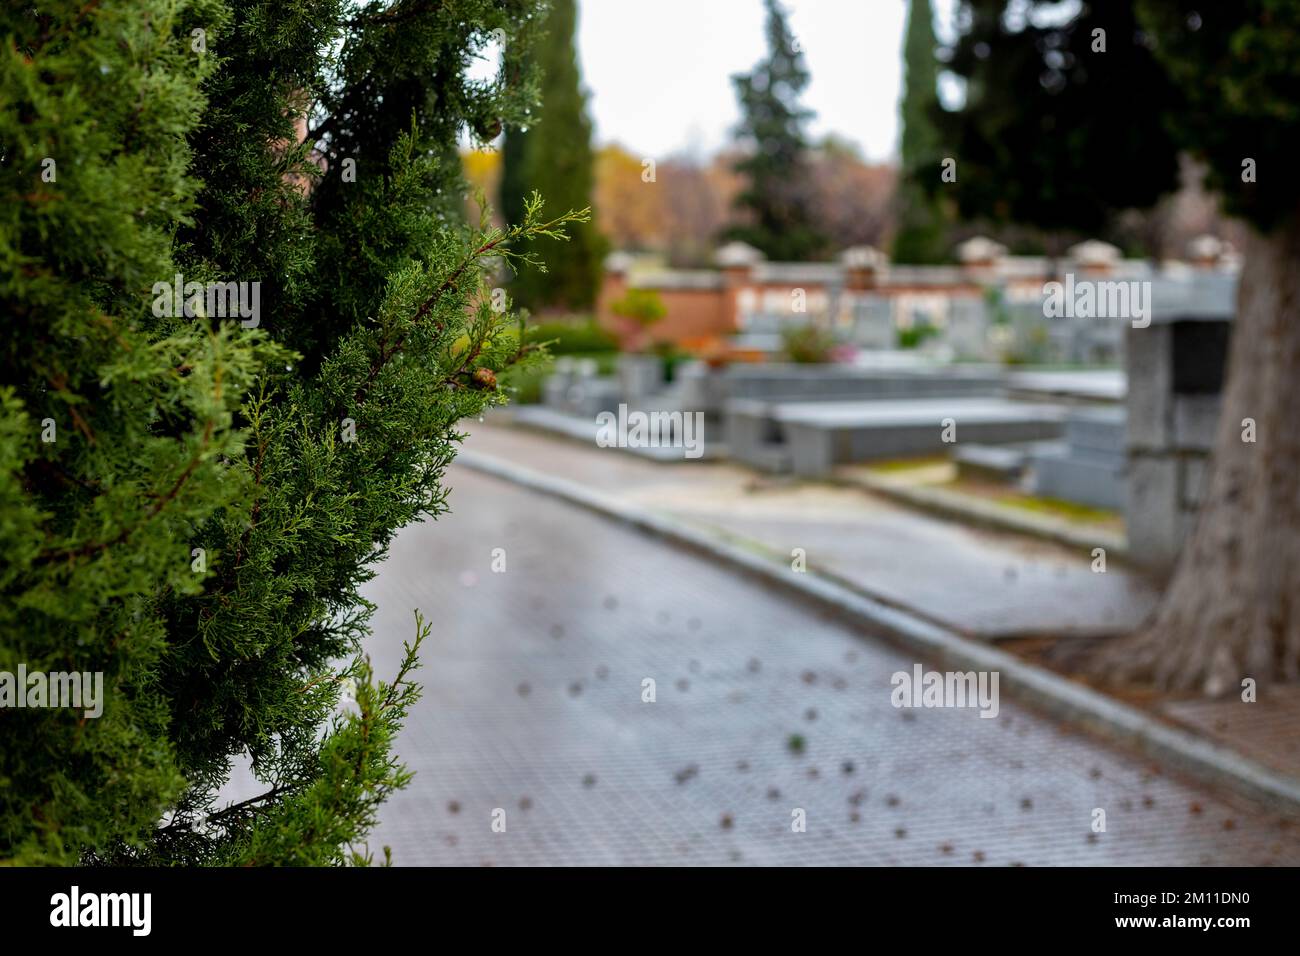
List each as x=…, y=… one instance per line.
x=1232, y=608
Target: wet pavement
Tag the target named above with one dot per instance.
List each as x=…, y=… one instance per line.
x=763, y=707
x=976, y=581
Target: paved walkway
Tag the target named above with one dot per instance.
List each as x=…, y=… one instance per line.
x=533, y=705
x=978, y=582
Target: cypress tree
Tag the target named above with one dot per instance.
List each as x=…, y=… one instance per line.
x=778, y=197
x=1046, y=119
x=553, y=155
x=192, y=494
x=921, y=236
x=513, y=187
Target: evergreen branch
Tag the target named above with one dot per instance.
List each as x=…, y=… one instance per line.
x=410, y=659
x=95, y=547
x=68, y=28
x=244, y=805
x=498, y=241
x=255, y=512
x=316, y=134
x=394, y=700
x=397, y=13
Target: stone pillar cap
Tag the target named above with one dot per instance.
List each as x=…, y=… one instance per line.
x=1205, y=247
x=980, y=249
x=737, y=254
x=863, y=257
x=618, y=262
x=1093, y=252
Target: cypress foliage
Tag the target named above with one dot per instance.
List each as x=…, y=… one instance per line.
x=189, y=500
x=921, y=234
x=552, y=154
x=1048, y=120
x=777, y=197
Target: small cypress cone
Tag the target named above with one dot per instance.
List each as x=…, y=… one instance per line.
x=484, y=378
x=488, y=128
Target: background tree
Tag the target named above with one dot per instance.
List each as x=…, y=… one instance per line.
x=1166, y=230
x=922, y=234
x=777, y=197
x=1046, y=118
x=853, y=199
x=552, y=154
x=512, y=185
x=629, y=211
x=1057, y=134
x=641, y=310
x=190, y=506
x=698, y=197
x=690, y=203
x=482, y=169
x=679, y=216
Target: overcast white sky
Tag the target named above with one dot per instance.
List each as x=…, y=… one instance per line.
x=657, y=71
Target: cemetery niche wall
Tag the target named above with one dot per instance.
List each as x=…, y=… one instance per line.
x=1175, y=371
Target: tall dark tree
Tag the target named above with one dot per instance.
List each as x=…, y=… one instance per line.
x=191, y=499
x=513, y=187
x=1064, y=125
x=552, y=154
x=778, y=198
x=1046, y=119
x=922, y=231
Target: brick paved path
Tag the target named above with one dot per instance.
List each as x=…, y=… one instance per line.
x=533, y=683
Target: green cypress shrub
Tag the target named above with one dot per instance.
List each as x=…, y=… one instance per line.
x=191, y=498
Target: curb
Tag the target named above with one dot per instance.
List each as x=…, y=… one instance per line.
x=935, y=501
x=1047, y=691
x=989, y=515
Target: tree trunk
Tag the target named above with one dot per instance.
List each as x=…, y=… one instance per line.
x=1232, y=609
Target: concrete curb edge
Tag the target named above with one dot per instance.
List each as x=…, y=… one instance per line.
x=935, y=501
